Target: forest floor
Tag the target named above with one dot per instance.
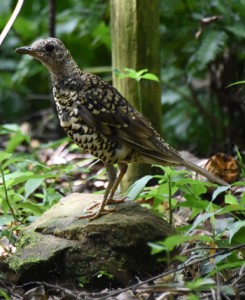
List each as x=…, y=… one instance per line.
x=202, y=270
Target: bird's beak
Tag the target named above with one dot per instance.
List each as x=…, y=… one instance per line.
x=24, y=50
x=27, y=50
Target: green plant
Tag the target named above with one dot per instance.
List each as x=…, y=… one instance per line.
x=28, y=187
x=83, y=281
x=4, y=294
x=138, y=76
x=103, y=273
x=207, y=232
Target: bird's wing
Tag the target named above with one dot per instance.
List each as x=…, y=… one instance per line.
x=116, y=118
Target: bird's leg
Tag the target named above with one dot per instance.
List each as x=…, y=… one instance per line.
x=113, y=184
x=112, y=178
x=122, y=171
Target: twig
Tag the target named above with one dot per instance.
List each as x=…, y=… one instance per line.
x=49, y=286
x=171, y=271
x=11, y=20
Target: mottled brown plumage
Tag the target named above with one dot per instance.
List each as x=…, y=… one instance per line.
x=101, y=121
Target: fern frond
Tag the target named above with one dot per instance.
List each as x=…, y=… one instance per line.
x=212, y=44
x=237, y=30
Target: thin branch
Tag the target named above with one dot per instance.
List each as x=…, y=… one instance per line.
x=11, y=20
x=183, y=266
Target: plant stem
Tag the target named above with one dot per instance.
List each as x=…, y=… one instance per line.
x=170, y=200
x=139, y=96
x=6, y=194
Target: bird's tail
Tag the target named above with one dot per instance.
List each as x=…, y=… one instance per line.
x=190, y=165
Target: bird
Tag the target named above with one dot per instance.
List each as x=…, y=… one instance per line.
x=102, y=122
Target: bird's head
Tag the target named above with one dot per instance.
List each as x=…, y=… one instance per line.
x=50, y=51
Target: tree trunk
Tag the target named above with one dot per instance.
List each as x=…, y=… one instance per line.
x=136, y=45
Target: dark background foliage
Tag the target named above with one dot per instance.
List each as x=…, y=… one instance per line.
x=199, y=112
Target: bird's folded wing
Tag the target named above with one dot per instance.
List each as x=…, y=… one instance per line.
x=132, y=129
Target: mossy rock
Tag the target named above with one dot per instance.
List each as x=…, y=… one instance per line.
x=61, y=247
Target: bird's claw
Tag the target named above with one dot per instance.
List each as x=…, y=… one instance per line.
x=91, y=215
x=116, y=201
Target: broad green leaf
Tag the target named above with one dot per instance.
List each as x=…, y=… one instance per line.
x=230, y=208
x=135, y=189
x=16, y=140
x=12, y=160
x=4, y=294
x=9, y=128
x=19, y=177
x=193, y=202
x=219, y=191
x=200, y=283
x=36, y=163
x=192, y=297
x=231, y=265
x=230, y=199
x=36, y=209
x=201, y=219
x=156, y=248
x=173, y=241
x=237, y=227
x=212, y=44
x=149, y=76
x=31, y=185
x=6, y=219
x=139, y=73
x=242, y=200
x=4, y=155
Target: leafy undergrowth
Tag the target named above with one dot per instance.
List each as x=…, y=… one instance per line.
x=209, y=220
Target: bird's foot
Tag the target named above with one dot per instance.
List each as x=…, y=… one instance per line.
x=117, y=201
x=94, y=214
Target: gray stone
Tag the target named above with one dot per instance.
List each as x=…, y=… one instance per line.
x=113, y=248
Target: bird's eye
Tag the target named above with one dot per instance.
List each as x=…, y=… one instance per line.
x=49, y=47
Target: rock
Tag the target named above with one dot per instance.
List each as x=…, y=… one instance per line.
x=113, y=248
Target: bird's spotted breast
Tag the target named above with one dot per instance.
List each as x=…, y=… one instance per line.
x=89, y=140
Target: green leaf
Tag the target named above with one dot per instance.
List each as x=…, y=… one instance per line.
x=201, y=219
x=4, y=155
x=150, y=76
x=16, y=140
x=230, y=199
x=231, y=265
x=31, y=185
x=19, y=177
x=7, y=128
x=231, y=208
x=12, y=160
x=4, y=294
x=6, y=219
x=242, y=200
x=135, y=189
x=173, y=241
x=219, y=191
x=139, y=73
x=236, y=83
x=211, y=45
x=156, y=248
x=200, y=283
x=36, y=209
x=237, y=228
